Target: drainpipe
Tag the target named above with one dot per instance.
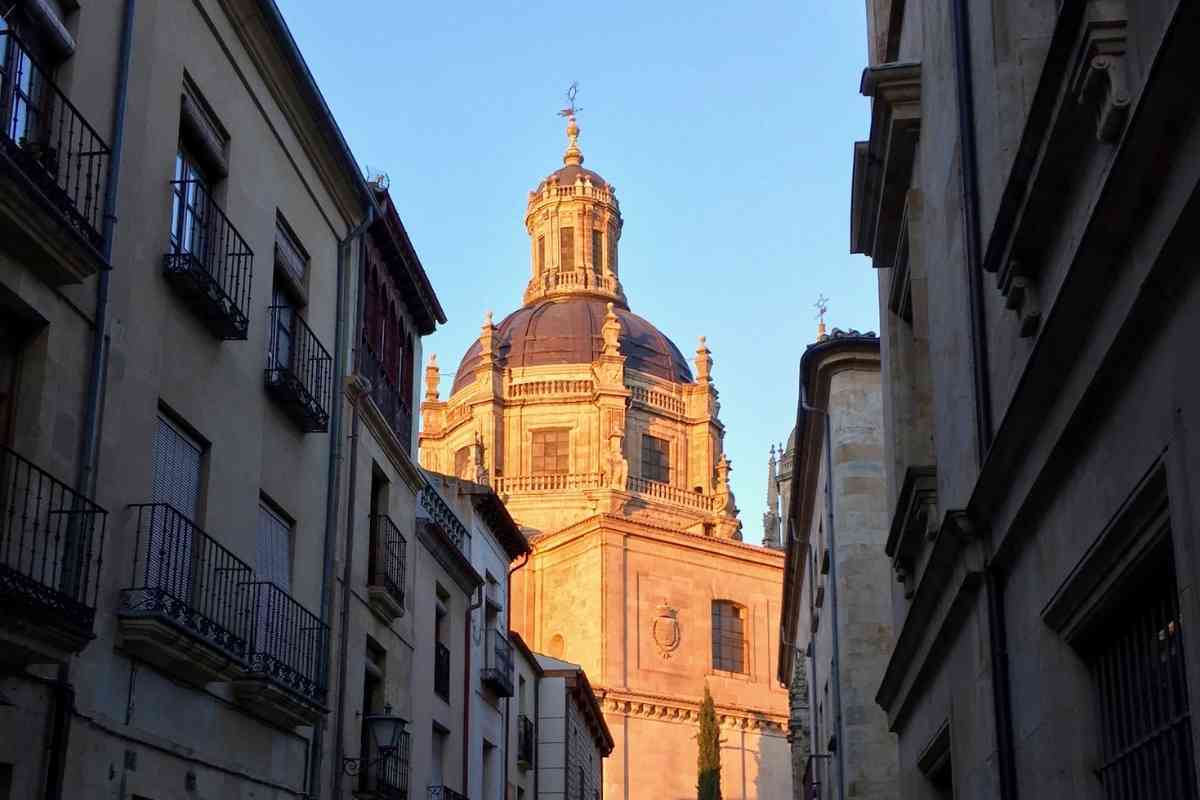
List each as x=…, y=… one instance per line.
x=466, y=765
x=333, y=481
x=969, y=172
x=835, y=670
x=348, y=553
x=64, y=693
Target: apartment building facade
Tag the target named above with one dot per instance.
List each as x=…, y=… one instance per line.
x=1027, y=196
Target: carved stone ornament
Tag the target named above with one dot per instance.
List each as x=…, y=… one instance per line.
x=665, y=629
x=1100, y=81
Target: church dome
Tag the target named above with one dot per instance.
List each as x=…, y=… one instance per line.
x=568, y=174
x=567, y=330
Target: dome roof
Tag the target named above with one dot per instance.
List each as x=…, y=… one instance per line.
x=567, y=175
x=567, y=331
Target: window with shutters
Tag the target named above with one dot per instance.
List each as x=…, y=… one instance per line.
x=728, y=636
x=273, y=554
x=177, y=461
x=566, y=248
x=551, y=452
x=656, y=459
x=597, y=251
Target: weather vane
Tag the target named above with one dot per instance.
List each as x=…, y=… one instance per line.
x=822, y=305
x=570, y=111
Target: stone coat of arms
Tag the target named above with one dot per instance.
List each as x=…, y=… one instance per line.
x=664, y=629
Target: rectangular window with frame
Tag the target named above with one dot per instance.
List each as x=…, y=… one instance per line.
x=656, y=459
x=728, y=636
x=273, y=556
x=1140, y=680
x=551, y=452
x=191, y=190
x=566, y=249
x=541, y=254
x=597, y=251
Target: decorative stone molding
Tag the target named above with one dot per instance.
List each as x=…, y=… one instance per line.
x=665, y=709
x=664, y=629
x=1099, y=77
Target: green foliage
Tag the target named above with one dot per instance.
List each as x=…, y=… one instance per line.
x=708, y=759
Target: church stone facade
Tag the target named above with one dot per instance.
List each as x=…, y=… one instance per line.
x=607, y=447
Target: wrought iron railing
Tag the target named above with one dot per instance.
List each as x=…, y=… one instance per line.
x=387, y=396
x=184, y=577
x=387, y=778
x=445, y=518
x=443, y=793
x=51, y=540
x=51, y=142
x=441, y=671
x=498, y=663
x=287, y=641
x=388, y=557
x=208, y=261
x=526, y=739
x=299, y=370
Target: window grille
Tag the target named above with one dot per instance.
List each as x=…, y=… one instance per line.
x=728, y=636
x=656, y=459
x=1141, y=683
x=566, y=249
x=551, y=452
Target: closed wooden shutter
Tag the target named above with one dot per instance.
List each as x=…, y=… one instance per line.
x=176, y=482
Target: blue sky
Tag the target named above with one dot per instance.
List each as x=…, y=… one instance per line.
x=726, y=128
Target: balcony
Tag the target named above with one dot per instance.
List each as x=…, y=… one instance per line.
x=387, y=779
x=387, y=397
x=441, y=671
x=385, y=583
x=526, y=741
x=53, y=172
x=51, y=540
x=443, y=793
x=185, y=611
x=299, y=371
x=208, y=263
x=497, y=669
x=285, y=677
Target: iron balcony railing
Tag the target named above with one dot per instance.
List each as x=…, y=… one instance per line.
x=299, y=370
x=387, y=396
x=445, y=518
x=441, y=671
x=287, y=641
x=208, y=261
x=388, y=777
x=51, y=540
x=184, y=577
x=498, y=663
x=443, y=793
x=526, y=737
x=51, y=142
x=388, y=558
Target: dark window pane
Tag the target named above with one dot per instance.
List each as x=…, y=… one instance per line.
x=656, y=459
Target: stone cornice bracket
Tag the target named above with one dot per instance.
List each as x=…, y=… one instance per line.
x=883, y=164
x=914, y=522
x=1099, y=77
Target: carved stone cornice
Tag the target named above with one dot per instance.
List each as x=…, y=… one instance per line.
x=883, y=165
x=662, y=708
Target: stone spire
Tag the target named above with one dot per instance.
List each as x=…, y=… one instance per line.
x=771, y=519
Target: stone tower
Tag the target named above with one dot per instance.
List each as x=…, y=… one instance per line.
x=607, y=447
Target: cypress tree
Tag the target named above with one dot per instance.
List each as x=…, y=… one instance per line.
x=708, y=759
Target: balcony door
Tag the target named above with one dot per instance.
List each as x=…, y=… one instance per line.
x=176, y=483
x=189, y=209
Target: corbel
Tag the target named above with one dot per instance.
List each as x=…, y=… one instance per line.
x=1099, y=78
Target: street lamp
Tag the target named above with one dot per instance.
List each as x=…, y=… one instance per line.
x=385, y=731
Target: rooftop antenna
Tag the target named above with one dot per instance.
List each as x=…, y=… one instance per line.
x=822, y=305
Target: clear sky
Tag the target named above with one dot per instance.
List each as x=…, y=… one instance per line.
x=726, y=127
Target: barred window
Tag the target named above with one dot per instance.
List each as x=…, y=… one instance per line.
x=551, y=452
x=566, y=248
x=1141, y=685
x=656, y=459
x=728, y=636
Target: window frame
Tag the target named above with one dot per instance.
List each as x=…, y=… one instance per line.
x=722, y=634
x=651, y=467
x=562, y=458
